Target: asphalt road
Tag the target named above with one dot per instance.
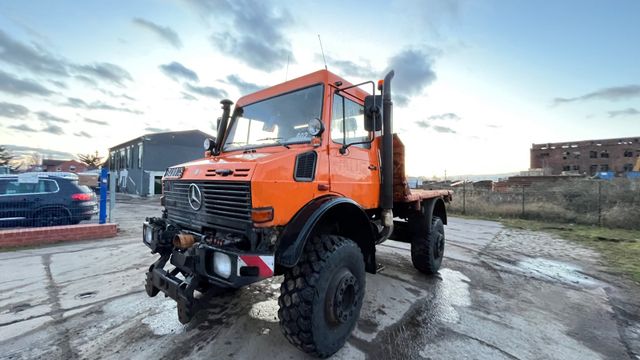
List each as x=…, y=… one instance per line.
x=501, y=294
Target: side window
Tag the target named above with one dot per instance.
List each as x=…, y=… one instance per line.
x=16, y=188
x=347, y=122
x=47, y=186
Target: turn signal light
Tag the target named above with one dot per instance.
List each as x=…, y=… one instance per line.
x=81, y=197
x=260, y=215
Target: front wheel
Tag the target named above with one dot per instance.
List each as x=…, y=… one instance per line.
x=427, y=244
x=321, y=297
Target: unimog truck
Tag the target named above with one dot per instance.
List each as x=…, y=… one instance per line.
x=303, y=179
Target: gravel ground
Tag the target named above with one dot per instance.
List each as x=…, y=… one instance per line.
x=501, y=294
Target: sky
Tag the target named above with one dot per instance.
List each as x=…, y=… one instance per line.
x=477, y=82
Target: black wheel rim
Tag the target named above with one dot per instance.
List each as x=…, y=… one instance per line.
x=439, y=246
x=342, y=297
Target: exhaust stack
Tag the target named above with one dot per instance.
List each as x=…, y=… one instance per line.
x=222, y=128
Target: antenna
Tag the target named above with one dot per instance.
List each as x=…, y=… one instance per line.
x=322, y=50
x=286, y=74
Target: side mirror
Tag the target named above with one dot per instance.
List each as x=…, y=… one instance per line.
x=373, y=113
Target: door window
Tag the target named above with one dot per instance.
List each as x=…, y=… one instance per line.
x=347, y=122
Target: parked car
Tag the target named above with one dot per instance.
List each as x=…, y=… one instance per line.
x=44, y=199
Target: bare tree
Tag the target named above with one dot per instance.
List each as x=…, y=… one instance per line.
x=93, y=161
x=5, y=156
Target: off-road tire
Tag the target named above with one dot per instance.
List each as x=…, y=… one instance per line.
x=427, y=243
x=321, y=297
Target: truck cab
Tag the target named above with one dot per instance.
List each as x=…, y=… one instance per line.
x=303, y=180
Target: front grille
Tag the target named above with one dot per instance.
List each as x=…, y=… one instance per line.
x=226, y=205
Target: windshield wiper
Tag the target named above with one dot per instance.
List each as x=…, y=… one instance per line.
x=277, y=140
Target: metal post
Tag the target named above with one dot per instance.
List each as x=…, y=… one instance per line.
x=464, y=197
x=104, y=173
x=599, y=203
x=523, y=201
x=112, y=196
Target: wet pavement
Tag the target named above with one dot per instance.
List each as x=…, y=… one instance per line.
x=501, y=294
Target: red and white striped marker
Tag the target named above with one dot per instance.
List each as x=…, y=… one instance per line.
x=264, y=263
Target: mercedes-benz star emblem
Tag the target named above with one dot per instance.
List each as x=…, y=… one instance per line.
x=195, y=197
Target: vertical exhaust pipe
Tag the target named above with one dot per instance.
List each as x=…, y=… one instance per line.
x=387, y=154
x=224, y=122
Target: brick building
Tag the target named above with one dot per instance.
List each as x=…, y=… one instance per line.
x=586, y=157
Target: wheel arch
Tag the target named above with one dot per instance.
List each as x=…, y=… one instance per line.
x=435, y=207
x=332, y=214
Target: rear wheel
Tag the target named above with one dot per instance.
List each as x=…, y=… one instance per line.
x=321, y=297
x=52, y=217
x=427, y=243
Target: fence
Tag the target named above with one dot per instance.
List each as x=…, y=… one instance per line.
x=614, y=203
x=52, y=199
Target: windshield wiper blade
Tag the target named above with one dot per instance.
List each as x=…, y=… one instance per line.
x=277, y=141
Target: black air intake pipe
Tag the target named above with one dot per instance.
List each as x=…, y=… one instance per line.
x=387, y=144
x=222, y=128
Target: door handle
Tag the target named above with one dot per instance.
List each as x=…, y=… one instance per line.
x=373, y=167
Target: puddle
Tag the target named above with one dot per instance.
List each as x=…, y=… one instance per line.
x=265, y=310
x=86, y=295
x=555, y=271
x=452, y=291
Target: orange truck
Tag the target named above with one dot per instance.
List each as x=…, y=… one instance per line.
x=304, y=179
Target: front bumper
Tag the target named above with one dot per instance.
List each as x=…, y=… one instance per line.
x=204, y=262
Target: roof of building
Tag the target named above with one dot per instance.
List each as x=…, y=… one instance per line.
x=162, y=137
x=52, y=162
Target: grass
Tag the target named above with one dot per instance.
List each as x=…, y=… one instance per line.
x=620, y=248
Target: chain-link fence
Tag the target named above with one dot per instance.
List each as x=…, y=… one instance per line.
x=612, y=203
x=50, y=199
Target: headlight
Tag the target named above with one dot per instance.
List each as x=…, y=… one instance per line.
x=315, y=127
x=222, y=264
x=148, y=234
x=209, y=144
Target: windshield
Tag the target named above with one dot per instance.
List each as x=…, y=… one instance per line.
x=279, y=120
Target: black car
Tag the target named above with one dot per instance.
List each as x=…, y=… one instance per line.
x=43, y=199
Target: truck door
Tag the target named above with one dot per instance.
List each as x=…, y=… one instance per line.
x=354, y=174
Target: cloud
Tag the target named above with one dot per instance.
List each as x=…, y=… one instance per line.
x=35, y=59
x=13, y=111
x=47, y=153
x=177, y=72
x=206, y=91
x=19, y=87
x=45, y=116
x=22, y=127
x=163, y=32
x=243, y=86
x=156, y=130
x=257, y=33
x=413, y=73
x=445, y=116
x=444, y=130
x=423, y=124
x=349, y=68
x=106, y=71
x=611, y=94
x=83, y=134
x=97, y=122
x=53, y=129
x=189, y=97
x=624, y=112
x=97, y=105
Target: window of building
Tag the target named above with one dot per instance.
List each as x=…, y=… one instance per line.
x=139, y=155
x=604, y=154
x=593, y=169
x=593, y=154
x=604, y=167
x=566, y=168
x=347, y=122
x=575, y=167
x=628, y=153
x=121, y=161
x=543, y=155
x=627, y=167
x=72, y=168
